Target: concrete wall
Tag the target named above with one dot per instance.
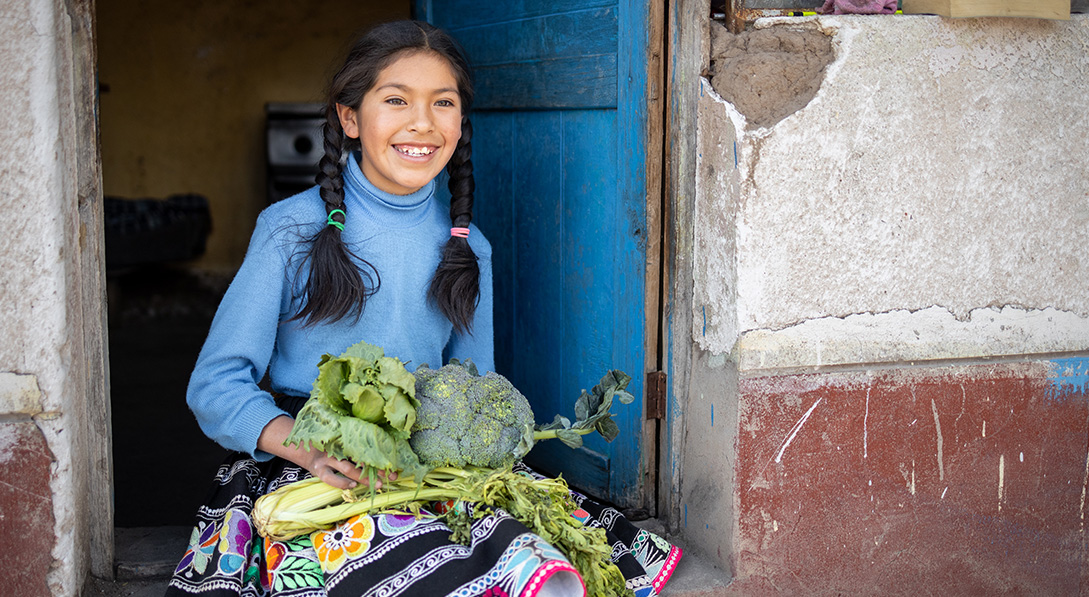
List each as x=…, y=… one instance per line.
x=184, y=93
x=55, y=513
x=890, y=314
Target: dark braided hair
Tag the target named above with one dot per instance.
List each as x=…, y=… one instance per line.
x=455, y=286
x=339, y=282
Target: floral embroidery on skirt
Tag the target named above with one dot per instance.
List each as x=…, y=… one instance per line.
x=389, y=554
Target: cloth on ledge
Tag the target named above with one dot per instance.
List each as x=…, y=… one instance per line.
x=858, y=7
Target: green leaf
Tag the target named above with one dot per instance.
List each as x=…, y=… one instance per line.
x=326, y=387
x=367, y=403
x=358, y=370
x=365, y=352
x=525, y=443
x=400, y=408
x=560, y=422
x=317, y=424
x=392, y=371
x=468, y=365
x=608, y=429
x=600, y=402
x=335, y=449
x=368, y=444
x=583, y=406
x=408, y=462
x=571, y=438
x=614, y=379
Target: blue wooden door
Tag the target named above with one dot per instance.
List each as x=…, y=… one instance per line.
x=559, y=158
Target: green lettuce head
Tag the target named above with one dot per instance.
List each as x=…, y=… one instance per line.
x=361, y=408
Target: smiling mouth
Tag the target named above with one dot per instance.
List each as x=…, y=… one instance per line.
x=415, y=152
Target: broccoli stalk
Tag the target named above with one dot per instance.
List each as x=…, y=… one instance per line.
x=592, y=412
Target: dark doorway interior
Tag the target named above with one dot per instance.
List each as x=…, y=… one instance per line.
x=163, y=463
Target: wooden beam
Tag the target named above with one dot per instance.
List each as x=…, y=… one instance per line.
x=688, y=56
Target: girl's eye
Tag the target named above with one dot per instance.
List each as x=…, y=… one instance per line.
x=395, y=101
x=445, y=103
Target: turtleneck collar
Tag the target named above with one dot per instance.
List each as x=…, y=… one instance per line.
x=392, y=211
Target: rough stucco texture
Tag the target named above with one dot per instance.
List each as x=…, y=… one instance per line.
x=768, y=74
x=26, y=509
x=967, y=480
x=941, y=164
x=39, y=252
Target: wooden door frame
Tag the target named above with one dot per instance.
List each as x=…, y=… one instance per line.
x=654, y=133
x=688, y=54
x=92, y=287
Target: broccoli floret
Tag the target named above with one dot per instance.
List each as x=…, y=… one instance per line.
x=464, y=418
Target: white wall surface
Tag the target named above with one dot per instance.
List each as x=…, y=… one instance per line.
x=44, y=370
x=931, y=201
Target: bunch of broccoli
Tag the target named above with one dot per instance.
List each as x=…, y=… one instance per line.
x=468, y=419
x=464, y=418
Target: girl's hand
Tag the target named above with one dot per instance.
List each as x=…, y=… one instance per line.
x=341, y=474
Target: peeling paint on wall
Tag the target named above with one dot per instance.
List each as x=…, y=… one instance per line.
x=912, y=336
x=895, y=189
x=1069, y=377
x=19, y=394
x=892, y=468
x=769, y=74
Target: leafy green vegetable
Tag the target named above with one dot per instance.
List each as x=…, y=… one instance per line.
x=454, y=434
x=362, y=408
x=592, y=410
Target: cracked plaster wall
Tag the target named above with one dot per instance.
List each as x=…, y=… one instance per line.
x=929, y=202
x=43, y=373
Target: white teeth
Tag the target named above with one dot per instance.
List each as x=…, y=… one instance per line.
x=415, y=151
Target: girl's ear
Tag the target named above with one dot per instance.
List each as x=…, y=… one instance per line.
x=349, y=121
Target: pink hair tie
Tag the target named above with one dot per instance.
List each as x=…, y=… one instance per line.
x=459, y=232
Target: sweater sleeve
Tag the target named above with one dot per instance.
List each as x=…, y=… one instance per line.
x=223, y=392
x=478, y=344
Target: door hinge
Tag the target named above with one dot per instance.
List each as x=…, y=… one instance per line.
x=656, y=395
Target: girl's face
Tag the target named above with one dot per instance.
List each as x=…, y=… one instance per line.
x=408, y=124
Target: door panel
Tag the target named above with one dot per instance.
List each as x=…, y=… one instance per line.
x=561, y=196
x=460, y=14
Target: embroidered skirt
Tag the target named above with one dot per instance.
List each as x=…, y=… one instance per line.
x=390, y=554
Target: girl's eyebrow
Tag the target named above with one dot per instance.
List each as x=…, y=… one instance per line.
x=406, y=88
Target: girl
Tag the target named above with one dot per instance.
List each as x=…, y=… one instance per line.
x=367, y=254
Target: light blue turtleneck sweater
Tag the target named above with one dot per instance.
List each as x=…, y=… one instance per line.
x=400, y=235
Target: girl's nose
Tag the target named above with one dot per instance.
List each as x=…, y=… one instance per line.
x=422, y=119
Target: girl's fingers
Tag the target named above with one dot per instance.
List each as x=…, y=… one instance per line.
x=329, y=476
x=350, y=471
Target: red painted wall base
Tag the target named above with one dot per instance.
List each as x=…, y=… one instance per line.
x=26, y=510
x=959, y=480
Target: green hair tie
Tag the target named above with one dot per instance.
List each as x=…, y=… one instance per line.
x=331, y=222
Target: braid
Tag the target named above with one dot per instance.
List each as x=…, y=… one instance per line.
x=455, y=286
x=336, y=287
x=331, y=166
